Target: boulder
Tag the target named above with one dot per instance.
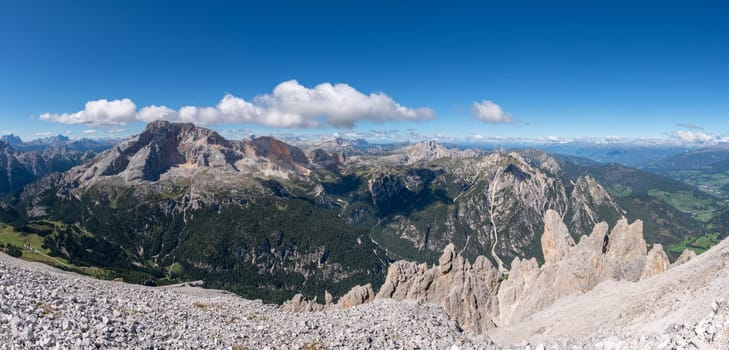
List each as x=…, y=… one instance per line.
x=655, y=262
x=300, y=304
x=358, y=295
x=687, y=255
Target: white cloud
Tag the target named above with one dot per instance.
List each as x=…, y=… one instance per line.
x=152, y=113
x=116, y=130
x=43, y=133
x=555, y=139
x=99, y=112
x=68, y=132
x=289, y=105
x=692, y=136
x=489, y=112
x=89, y=131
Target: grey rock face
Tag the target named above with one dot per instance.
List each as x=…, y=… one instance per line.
x=426, y=151
x=300, y=304
x=587, y=199
x=626, y=251
x=466, y=292
x=183, y=149
x=655, y=262
x=556, y=240
x=357, y=296
x=571, y=268
x=687, y=255
x=475, y=296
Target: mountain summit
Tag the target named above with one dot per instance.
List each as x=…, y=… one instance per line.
x=167, y=149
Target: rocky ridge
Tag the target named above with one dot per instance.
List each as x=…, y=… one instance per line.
x=477, y=296
x=182, y=149
x=571, y=268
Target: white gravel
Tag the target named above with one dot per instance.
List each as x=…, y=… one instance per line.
x=43, y=308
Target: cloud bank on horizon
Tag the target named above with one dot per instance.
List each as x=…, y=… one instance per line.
x=290, y=105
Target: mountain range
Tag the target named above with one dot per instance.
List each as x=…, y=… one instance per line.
x=267, y=219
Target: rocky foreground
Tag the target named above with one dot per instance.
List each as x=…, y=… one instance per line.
x=44, y=308
x=590, y=295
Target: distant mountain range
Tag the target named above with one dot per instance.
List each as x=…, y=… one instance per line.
x=267, y=219
x=24, y=162
x=59, y=141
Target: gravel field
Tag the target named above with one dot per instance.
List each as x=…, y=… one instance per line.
x=44, y=308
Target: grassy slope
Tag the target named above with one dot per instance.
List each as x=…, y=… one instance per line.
x=674, y=213
x=34, y=250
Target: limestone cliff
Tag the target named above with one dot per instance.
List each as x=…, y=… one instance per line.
x=475, y=296
x=571, y=269
x=464, y=290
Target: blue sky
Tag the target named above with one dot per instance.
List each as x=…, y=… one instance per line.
x=634, y=69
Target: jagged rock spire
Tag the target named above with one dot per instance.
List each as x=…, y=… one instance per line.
x=475, y=296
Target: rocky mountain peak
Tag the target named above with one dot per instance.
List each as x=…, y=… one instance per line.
x=170, y=150
x=162, y=146
x=162, y=131
x=587, y=200
x=425, y=152
x=556, y=240
x=11, y=139
x=278, y=152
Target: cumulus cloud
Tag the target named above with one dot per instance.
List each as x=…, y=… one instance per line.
x=692, y=136
x=43, y=133
x=89, y=131
x=489, y=112
x=99, y=112
x=113, y=131
x=290, y=105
